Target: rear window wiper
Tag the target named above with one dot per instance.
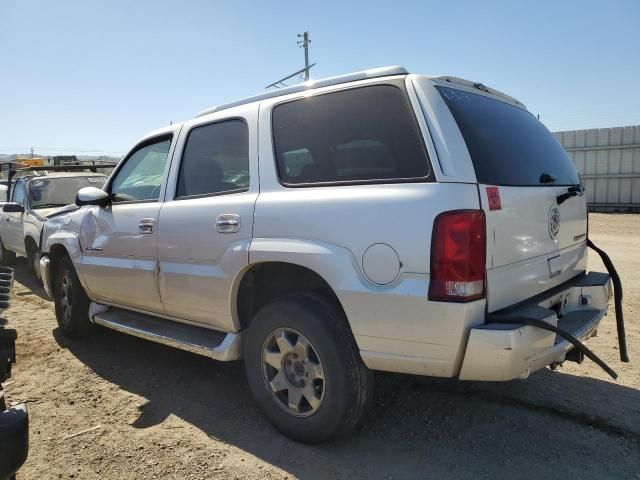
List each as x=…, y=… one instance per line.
x=547, y=178
x=573, y=191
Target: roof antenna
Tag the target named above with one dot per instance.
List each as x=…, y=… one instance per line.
x=304, y=43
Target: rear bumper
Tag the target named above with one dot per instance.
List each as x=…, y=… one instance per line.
x=500, y=352
x=14, y=439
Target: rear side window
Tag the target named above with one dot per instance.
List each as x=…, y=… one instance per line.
x=508, y=145
x=215, y=160
x=362, y=135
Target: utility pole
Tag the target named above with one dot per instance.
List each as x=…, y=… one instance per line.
x=304, y=43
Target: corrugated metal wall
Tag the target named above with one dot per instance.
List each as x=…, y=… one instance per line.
x=608, y=160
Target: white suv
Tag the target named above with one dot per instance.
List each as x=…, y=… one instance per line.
x=375, y=221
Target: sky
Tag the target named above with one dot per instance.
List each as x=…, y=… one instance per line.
x=91, y=77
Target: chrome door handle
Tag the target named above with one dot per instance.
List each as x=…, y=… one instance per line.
x=146, y=225
x=228, y=223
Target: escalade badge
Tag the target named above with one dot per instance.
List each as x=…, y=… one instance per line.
x=554, y=221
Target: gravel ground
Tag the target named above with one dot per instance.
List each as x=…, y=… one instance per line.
x=155, y=412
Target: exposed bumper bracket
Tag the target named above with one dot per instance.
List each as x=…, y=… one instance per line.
x=617, y=297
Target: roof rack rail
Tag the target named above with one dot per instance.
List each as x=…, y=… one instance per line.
x=76, y=167
x=325, y=82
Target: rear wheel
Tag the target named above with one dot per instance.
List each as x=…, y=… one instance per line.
x=305, y=370
x=7, y=257
x=71, y=301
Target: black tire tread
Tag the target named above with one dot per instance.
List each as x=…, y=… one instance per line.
x=80, y=325
x=362, y=378
x=32, y=250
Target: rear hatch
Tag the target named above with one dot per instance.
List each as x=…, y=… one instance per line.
x=536, y=214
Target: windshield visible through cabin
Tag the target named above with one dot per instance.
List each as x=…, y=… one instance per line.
x=58, y=192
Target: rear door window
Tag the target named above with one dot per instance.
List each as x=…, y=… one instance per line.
x=215, y=160
x=361, y=135
x=508, y=145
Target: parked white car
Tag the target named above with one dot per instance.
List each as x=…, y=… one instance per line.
x=34, y=198
x=375, y=221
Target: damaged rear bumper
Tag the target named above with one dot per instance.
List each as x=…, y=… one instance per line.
x=505, y=349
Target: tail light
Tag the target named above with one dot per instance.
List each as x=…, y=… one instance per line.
x=458, y=253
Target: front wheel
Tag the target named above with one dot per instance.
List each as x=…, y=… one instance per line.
x=305, y=370
x=33, y=259
x=71, y=301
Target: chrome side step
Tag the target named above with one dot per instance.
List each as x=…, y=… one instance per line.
x=202, y=341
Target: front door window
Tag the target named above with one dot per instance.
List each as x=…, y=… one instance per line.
x=140, y=178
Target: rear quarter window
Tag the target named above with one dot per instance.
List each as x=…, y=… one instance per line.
x=508, y=145
x=362, y=135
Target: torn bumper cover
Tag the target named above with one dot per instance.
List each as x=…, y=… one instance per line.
x=45, y=274
x=509, y=346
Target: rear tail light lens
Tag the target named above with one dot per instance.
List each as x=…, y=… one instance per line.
x=458, y=253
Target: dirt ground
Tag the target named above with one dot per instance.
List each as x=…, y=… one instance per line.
x=155, y=412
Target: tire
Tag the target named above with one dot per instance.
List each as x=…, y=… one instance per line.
x=71, y=301
x=330, y=391
x=7, y=257
x=33, y=259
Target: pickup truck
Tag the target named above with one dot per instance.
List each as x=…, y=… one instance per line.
x=379, y=220
x=34, y=198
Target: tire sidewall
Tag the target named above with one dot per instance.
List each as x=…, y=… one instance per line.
x=78, y=324
x=314, y=319
x=33, y=257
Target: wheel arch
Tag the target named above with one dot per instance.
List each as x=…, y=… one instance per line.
x=263, y=282
x=57, y=251
x=28, y=239
x=58, y=245
x=325, y=267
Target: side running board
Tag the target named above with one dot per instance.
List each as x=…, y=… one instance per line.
x=202, y=341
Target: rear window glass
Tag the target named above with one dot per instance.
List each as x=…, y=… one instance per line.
x=508, y=145
x=362, y=135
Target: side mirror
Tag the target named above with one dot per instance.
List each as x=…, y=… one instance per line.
x=12, y=207
x=92, y=196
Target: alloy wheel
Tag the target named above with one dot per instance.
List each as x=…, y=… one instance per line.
x=292, y=372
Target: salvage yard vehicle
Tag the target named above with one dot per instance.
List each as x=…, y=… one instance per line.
x=379, y=220
x=36, y=195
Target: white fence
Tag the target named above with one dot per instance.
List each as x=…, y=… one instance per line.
x=608, y=160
